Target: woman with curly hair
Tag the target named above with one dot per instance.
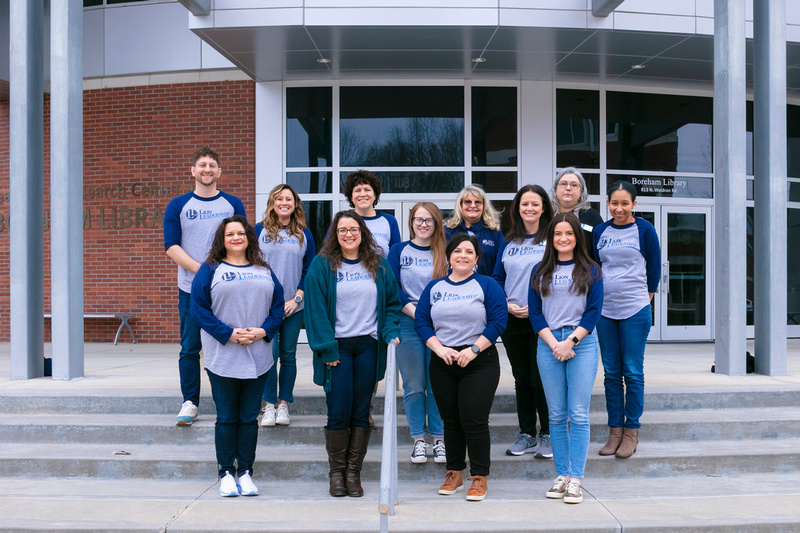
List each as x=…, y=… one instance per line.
x=475, y=215
x=287, y=244
x=238, y=302
x=353, y=312
x=363, y=190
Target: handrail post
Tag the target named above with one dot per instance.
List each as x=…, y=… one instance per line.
x=389, y=450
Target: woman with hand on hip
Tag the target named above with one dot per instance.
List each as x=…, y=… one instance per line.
x=353, y=311
x=288, y=246
x=564, y=301
x=523, y=247
x=569, y=195
x=628, y=250
x=238, y=302
x=475, y=215
x=460, y=317
x=363, y=190
x=414, y=264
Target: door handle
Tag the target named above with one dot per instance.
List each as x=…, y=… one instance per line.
x=665, y=277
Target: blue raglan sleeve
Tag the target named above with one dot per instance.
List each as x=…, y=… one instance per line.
x=394, y=231
x=594, y=302
x=200, y=306
x=276, y=310
x=535, y=313
x=499, y=274
x=311, y=252
x=422, y=317
x=394, y=264
x=496, y=309
x=172, y=223
x=238, y=206
x=258, y=228
x=652, y=253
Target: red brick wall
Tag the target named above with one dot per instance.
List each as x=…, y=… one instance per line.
x=138, y=143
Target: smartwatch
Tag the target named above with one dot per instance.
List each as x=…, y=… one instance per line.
x=475, y=349
x=575, y=339
x=298, y=298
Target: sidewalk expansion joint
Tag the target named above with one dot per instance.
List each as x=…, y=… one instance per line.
x=177, y=515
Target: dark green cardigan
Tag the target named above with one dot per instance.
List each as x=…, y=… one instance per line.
x=320, y=316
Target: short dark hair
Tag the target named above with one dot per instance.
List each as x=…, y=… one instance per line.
x=622, y=186
x=457, y=239
x=205, y=151
x=361, y=177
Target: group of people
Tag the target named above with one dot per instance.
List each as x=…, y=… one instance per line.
x=557, y=285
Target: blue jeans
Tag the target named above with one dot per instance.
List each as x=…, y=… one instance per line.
x=189, y=361
x=352, y=381
x=413, y=359
x=236, y=430
x=284, y=348
x=568, y=387
x=622, y=348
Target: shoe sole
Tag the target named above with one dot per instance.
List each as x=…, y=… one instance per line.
x=281, y=423
x=450, y=492
x=573, y=500
x=419, y=460
x=475, y=498
x=517, y=454
x=555, y=495
x=241, y=493
x=183, y=422
x=544, y=455
x=440, y=460
x=228, y=494
x=263, y=425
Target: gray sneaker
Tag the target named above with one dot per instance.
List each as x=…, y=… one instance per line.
x=545, y=449
x=525, y=443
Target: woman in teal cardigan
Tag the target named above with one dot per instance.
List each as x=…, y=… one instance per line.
x=352, y=313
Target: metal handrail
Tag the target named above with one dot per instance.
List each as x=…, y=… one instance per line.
x=388, y=499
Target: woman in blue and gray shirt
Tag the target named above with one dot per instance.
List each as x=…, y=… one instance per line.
x=628, y=250
x=564, y=301
x=238, y=302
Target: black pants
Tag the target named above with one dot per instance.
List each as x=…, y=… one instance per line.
x=465, y=396
x=520, y=342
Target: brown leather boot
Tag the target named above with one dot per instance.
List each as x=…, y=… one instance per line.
x=359, y=442
x=614, y=439
x=630, y=440
x=336, y=443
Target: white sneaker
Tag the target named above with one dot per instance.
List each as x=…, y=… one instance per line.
x=227, y=486
x=439, y=453
x=282, y=418
x=246, y=485
x=418, y=454
x=268, y=416
x=187, y=415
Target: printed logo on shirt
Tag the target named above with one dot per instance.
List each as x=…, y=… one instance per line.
x=524, y=250
x=488, y=242
x=228, y=276
x=209, y=214
x=607, y=242
x=455, y=297
x=561, y=279
x=435, y=297
x=191, y=214
x=407, y=261
x=356, y=276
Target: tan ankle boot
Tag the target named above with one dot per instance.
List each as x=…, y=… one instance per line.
x=614, y=439
x=630, y=440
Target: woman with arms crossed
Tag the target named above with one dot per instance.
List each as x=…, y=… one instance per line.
x=288, y=246
x=523, y=247
x=564, y=301
x=460, y=317
x=475, y=215
x=238, y=303
x=414, y=263
x=353, y=311
x=628, y=250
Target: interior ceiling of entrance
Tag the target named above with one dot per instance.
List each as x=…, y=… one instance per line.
x=291, y=53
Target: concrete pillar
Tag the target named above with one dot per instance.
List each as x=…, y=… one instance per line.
x=26, y=188
x=769, y=106
x=66, y=187
x=730, y=265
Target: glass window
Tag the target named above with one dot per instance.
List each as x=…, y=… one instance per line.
x=308, y=126
x=496, y=181
x=750, y=291
x=416, y=182
x=793, y=141
x=310, y=182
x=577, y=128
x=318, y=220
x=793, y=273
x=401, y=126
x=494, y=126
x=669, y=186
x=659, y=132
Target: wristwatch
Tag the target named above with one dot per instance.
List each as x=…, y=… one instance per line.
x=475, y=348
x=575, y=339
x=298, y=298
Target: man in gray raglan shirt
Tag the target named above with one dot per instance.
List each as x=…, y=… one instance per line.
x=189, y=225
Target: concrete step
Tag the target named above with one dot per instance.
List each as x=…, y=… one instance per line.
x=642, y=504
x=678, y=425
x=309, y=462
x=313, y=403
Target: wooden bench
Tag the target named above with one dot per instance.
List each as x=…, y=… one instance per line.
x=123, y=317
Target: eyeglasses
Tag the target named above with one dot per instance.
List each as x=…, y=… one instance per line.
x=472, y=202
x=569, y=184
x=419, y=221
x=352, y=231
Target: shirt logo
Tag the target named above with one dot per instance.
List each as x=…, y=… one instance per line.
x=406, y=261
x=228, y=276
x=191, y=214
x=561, y=279
x=488, y=242
x=435, y=297
x=512, y=252
x=356, y=276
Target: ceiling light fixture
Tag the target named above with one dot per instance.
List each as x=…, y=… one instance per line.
x=638, y=67
x=479, y=60
x=323, y=60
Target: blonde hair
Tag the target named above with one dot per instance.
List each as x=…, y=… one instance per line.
x=491, y=218
x=298, y=218
x=438, y=242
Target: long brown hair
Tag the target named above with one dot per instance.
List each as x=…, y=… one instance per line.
x=517, y=233
x=367, y=251
x=582, y=277
x=297, y=223
x=438, y=241
x=252, y=253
